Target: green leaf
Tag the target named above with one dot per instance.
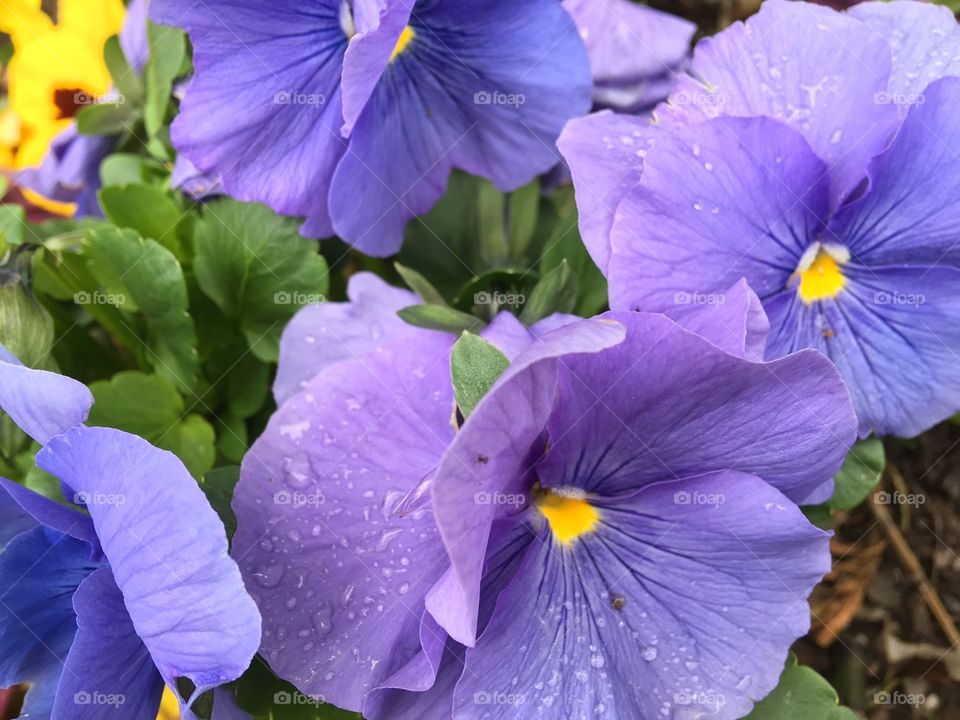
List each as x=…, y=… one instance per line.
x=522, y=210
x=232, y=438
x=142, y=276
x=802, y=693
x=860, y=474
x=26, y=328
x=13, y=223
x=491, y=205
x=445, y=319
x=150, y=406
x=106, y=118
x=555, y=293
x=132, y=169
x=125, y=78
x=420, y=285
x=258, y=269
x=148, y=210
x=218, y=485
x=168, y=52
x=248, y=386
x=475, y=366
x=267, y=697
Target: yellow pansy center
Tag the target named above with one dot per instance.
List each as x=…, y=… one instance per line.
x=820, y=272
x=569, y=514
x=405, y=37
x=169, y=706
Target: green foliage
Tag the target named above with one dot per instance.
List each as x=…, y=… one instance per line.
x=801, y=693
x=475, y=366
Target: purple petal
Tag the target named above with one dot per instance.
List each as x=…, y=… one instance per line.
x=925, y=41
x=908, y=215
x=735, y=322
x=337, y=560
x=809, y=66
x=693, y=601
x=605, y=154
x=508, y=334
x=41, y=403
x=52, y=514
x=319, y=336
x=167, y=550
x=108, y=671
x=667, y=404
x=133, y=36
x=893, y=336
x=493, y=454
x=628, y=43
x=265, y=94
x=39, y=572
x=727, y=199
x=485, y=87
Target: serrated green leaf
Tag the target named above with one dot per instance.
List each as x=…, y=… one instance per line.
x=555, y=293
x=258, y=269
x=801, y=693
x=143, y=276
x=420, y=285
x=475, y=365
x=860, y=474
x=218, y=485
x=148, y=210
x=150, y=406
x=168, y=52
x=437, y=317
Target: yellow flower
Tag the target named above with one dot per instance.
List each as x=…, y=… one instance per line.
x=57, y=68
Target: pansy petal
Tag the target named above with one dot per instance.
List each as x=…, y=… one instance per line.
x=925, y=41
x=908, y=215
x=39, y=572
x=893, y=335
x=265, y=94
x=605, y=154
x=666, y=604
x=52, y=514
x=723, y=200
x=167, y=550
x=493, y=455
x=508, y=334
x=485, y=87
x=789, y=422
x=109, y=672
x=133, y=37
x=335, y=539
x=735, y=321
x=41, y=403
x=627, y=42
x=807, y=65
x=320, y=335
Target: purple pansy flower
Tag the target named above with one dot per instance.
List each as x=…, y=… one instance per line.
x=353, y=113
x=808, y=151
x=100, y=609
x=636, y=52
x=70, y=171
x=611, y=532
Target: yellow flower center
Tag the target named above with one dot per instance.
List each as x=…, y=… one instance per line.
x=821, y=278
x=570, y=516
x=169, y=706
x=405, y=37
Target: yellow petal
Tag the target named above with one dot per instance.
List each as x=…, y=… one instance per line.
x=169, y=707
x=23, y=19
x=94, y=19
